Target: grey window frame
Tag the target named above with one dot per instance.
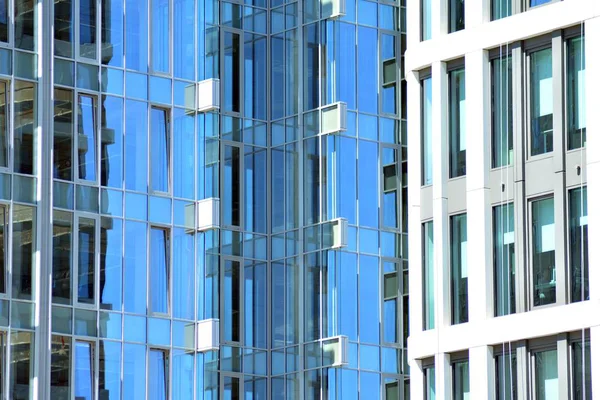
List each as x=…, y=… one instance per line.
x=458, y=65
x=168, y=372
x=97, y=133
x=240, y=261
x=398, y=189
x=499, y=207
x=77, y=31
x=7, y=243
x=398, y=297
x=9, y=124
x=582, y=338
x=451, y=268
x=424, y=225
x=93, y=342
x=503, y=53
x=422, y=80
x=568, y=35
x=537, y=346
x=222, y=32
x=460, y=357
x=568, y=191
x=222, y=188
x=151, y=69
x=503, y=351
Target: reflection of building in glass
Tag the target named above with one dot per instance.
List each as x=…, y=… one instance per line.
x=203, y=199
x=502, y=278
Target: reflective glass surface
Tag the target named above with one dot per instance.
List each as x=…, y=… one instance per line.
x=541, y=102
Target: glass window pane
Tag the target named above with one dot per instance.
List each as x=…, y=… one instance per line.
x=111, y=263
x=160, y=35
x=541, y=102
x=231, y=300
x=506, y=376
x=111, y=142
x=460, y=275
x=158, y=375
x=23, y=248
x=582, y=370
x=533, y=3
x=136, y=35
x=60, y=374
x=25, y=25
x=63, y=134
x=255, y=306
x=160, y=143
x=22, y=354
x=428, y=277
x=4, y=23
x=504, y=259
x=458, y=124
x=430, y=383
x=502, y=113
x=86, y=260
x=231, y=81
x=136, y=146
x=135, y=268
x=501, y=9
x=134, y=371
x=546, y=375
x=84, y=370
x=426, y=140
x=368, y=68
x=159, y=270
x=578, y=244
x=576, y=93
x=456, y=15
x=460, y=380
x=183, y=154
x=112, y=33
x=368, y=302
x=231, y=195
x=24, y=127
x=87, y=29
x=255, y=76
x=183, y=36
x=426, y=19
x=110, y=370
x=62, y=257
x=86, y=150
x=183, y=375
x=183, y=286
x=4, y=231
x=4, y=93
x=543, y=246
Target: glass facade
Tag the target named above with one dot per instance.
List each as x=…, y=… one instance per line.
x=107, y=158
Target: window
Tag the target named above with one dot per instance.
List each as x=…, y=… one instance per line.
x=457, y=124
x=159, y=270
x=60, y=367
x=502, y=112
x=110, y=370
x=84, y=370
x=86, y=246
x=25, y=25
x=459, y=272
x=231, y=323
x=62, y=227
x=578, y=244
x=87, y=29
x=501, y=9
x=506, y=375
x=63, y=134
x=504, y=259
x=160, y=36
x=160, y=149
x=575, y=104
x=21, y=366
x=582, y=370
x=426, y=19
x=4, y=25
x=460, y=380
x=390, y=186
x=456, y=15
x=543, y=246
x=390, y=302
x=232, y=79
x=23, y=250
x=429, y=383
x=87, y=138
x=4, y=105
x=546, y=374
x=541, y=100
x=158, y=374
x=426, y=133
x=4, y=230
x=535, y=3
x=428, y=277
x=24, y=124
x=232, y=186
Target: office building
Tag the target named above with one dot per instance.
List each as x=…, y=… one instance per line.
x=203, y=199
x=504, y=288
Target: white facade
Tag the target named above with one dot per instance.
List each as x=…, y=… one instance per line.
x=485, y=336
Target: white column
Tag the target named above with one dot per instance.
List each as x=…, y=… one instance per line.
x=481, y=373
x=439, y=18
x=476, y=13
x=443, y=376
x=479, y=220
x=439, y=94
x=414, y=201
x=417, y=380
x=592, y=71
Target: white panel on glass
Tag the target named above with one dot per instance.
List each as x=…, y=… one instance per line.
x=208, y=95
x=547, y=238
x=333, y=118
x=208, y=214
x=509, y=238
x=546, y=96
x=190, y=96
x=207, y=335
x=339, y=234
x=333, y=8
x=583, y=220
x=581, y=99
x=335, y=351
x=190, y=218
x=462, y=134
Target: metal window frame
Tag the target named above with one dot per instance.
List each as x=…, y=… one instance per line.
x=77, y=94
x=498, y=207
x=450, y=266
x=168, y=371
x=240, y=261
x=168, y=229
x=494, y=56
x=93, y=342
x=76, y=18
x=453, y=66
x=170, y=134
x=77, y=215
x=170, y=41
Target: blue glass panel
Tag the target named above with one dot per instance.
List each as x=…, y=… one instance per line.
x=112, y=81
x=368, y=178
x=255, y=76
x=110, y=325
x=369, y=357
x=369, y=385
x=136, y=35
x=135, y=328
x=110, y=370
x=347, y=156
x=111, y=164
x=160, y=210
x=367, y=13
x=159, y=331
x=183, y=269
x=111, y=202
x=348, y=295
x=112, y=33
x=159, y=270
x=111, y=263
x=135, y=267
x=349, y=385
x=136, y=206
x=84, y=371
x=369, y=299
x=255, y=190
x=368, y=69
x=136, y=146
x=160, y=90
x=136, y=85
x=183, y=37
x=311, y=67
x=134, y=371
x=346, y=62
x=367, y=126
x=183, y=375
